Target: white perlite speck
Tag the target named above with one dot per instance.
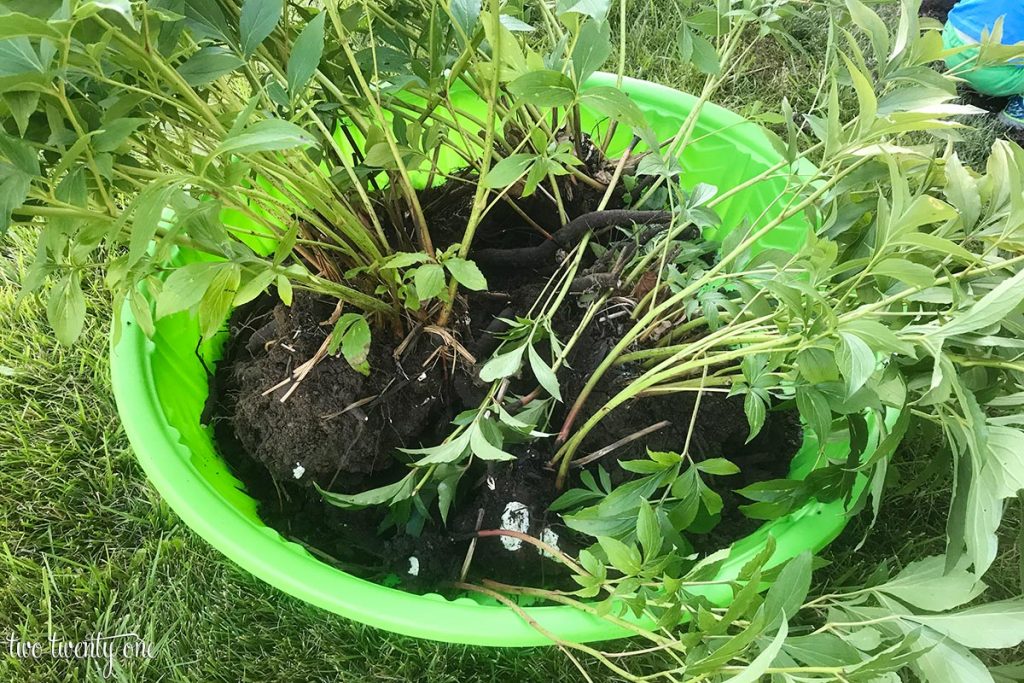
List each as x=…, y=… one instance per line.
x=414, y=566
x=298, y=471
x=548, y=535
x=516, y=517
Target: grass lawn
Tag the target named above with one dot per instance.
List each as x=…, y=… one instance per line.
x=87, y=546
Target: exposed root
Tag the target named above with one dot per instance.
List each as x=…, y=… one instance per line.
x=300, y=372
x=611, y=448
x=567, y=237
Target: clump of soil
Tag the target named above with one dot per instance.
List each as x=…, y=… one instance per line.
x=342, y=430
x=937, y=9
x=336, y=426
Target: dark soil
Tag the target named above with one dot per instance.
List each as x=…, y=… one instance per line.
x=311, y=430
x=937, y=9
x=342, y=430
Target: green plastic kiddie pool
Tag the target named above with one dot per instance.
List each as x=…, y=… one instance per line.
x=161, y=386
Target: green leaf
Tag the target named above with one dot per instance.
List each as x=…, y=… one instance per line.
x=790, y=589
x=925, y=210
x=254, y=286
x=207, y=65
x=572, y=499
x=760, y=664
x=286, y=244
x=983, y=514
x=595, y=9
x=428, y=280
x=684, y=43
x=593, y=46
x=446, y=490
x=856, y=361
x=704, y=56
x=351, y=333
x=821, y=649
x=450, y=451
x=392, y=493
x=216, y=302
x=207, y=18
x=755, y=410
x=15, y=178
x=625, y=558
x=185, y=287
x=91, y=7
x=870, y=22
x=718, y=466
x=866, y=99
x=380, y=156
x=341, y=325
x=149, y=212
x=466, y=273
x=913, y=274
x=771, y=489
x=17, y=56
x=508, y=170
x=265, y=136
x=929, y=242
x=404, y=259
x=257, y=21
x=815, y=410
x=996, y=625
x=115, y=133
x=927, y=585
x=17, y=24
x=483, y=448
x=947, y=662
x=614, y=104
x=515, y=24
x=988, y=310
x=544, y=374
x=284, y=289
x=355, y=345
x=142, y=312
x=648, y=531
x=891, y=442
x=503, y=365
x=243, y=116
x=544, y=88
x=65, y=309
x=879, y=337
x=466, y=14
x=22, y=104
x=817, y=365
x=1004, y=466
x=962, y=191
x=305, y=56
x=23, y=157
